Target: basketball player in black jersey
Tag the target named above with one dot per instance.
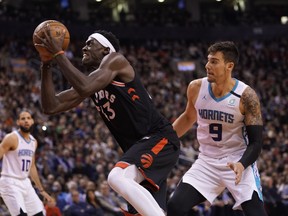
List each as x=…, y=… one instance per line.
x=149, y=143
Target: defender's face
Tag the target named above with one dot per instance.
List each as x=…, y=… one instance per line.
x=93, y=53
x=216, y=67
x=25, y=122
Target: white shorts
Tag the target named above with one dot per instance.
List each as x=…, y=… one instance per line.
x=211, y=176
x=18, y=193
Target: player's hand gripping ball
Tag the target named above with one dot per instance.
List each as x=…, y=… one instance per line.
x=57, y=31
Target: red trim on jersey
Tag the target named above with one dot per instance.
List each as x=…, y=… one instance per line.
x=129, y=214
x=151, y=184
x=116, y=83
x=159, y=146
x=122, y=164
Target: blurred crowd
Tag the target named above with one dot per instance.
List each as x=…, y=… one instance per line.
x=76, y=150
x=220, y=13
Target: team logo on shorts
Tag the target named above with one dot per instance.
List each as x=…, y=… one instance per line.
x=146, y=160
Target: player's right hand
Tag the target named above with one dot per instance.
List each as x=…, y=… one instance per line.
x=238, y=169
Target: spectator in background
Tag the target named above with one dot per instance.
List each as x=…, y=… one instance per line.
x=273, y=201
x=59, y=194
x=72, y=185
x=92, y=200
x=78, y=207
x=52, y=209
x=109, y=202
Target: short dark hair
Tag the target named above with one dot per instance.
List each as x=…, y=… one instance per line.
x=111, y=37
x=25, y=110
x=229, y=50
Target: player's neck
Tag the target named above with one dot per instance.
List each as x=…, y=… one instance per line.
x=220, y=89
x=25, y=135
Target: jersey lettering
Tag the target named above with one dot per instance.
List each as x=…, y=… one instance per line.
x=216, y=131
x=25, y=152
x=216, y=115
x=107, y=111
x=25, y=165
x=104, y=94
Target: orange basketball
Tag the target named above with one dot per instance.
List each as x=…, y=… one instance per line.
x=56, y=28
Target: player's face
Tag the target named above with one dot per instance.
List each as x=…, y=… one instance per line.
x=25, y=122
x=216, y=67
x=93, y=53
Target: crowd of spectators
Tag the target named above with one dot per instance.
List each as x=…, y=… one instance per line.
x=76, y=150
x=218, y=13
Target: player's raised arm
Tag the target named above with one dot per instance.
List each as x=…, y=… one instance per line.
x=50, y=101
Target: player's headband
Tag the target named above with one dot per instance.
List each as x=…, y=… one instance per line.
x=103, y=41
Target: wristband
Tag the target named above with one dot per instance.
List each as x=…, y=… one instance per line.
x=58, y=53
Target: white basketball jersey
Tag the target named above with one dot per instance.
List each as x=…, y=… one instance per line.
x=17, y=163
x=220, y=130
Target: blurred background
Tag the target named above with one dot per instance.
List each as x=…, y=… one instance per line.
x=166, y=42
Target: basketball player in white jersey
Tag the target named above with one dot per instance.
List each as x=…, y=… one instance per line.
x=18, y=152
x=229, y=132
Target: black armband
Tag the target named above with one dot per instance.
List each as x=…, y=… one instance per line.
x=255, y=137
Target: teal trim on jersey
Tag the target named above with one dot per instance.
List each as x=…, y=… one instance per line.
x=257, y=180
x=225, y=96
x=28, y=142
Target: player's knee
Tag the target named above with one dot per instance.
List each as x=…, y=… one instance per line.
x=113, y=178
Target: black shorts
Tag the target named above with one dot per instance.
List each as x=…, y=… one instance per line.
x=155, y=155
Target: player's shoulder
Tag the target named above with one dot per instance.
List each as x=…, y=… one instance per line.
x=250, y=100
x=11, y=135
x=193, y=89
x=249, y=92
x=116, y=56
x=10, y=139
x=195, y=84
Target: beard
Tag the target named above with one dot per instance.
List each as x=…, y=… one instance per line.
x=26, y=130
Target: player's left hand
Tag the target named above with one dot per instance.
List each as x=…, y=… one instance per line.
x=53, y=44
x=238, y=169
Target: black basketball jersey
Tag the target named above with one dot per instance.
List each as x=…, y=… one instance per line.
x=128, y=111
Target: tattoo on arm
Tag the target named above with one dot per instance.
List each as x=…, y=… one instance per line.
x=252, y=108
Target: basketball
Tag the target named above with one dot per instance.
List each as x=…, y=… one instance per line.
x=56, y=28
